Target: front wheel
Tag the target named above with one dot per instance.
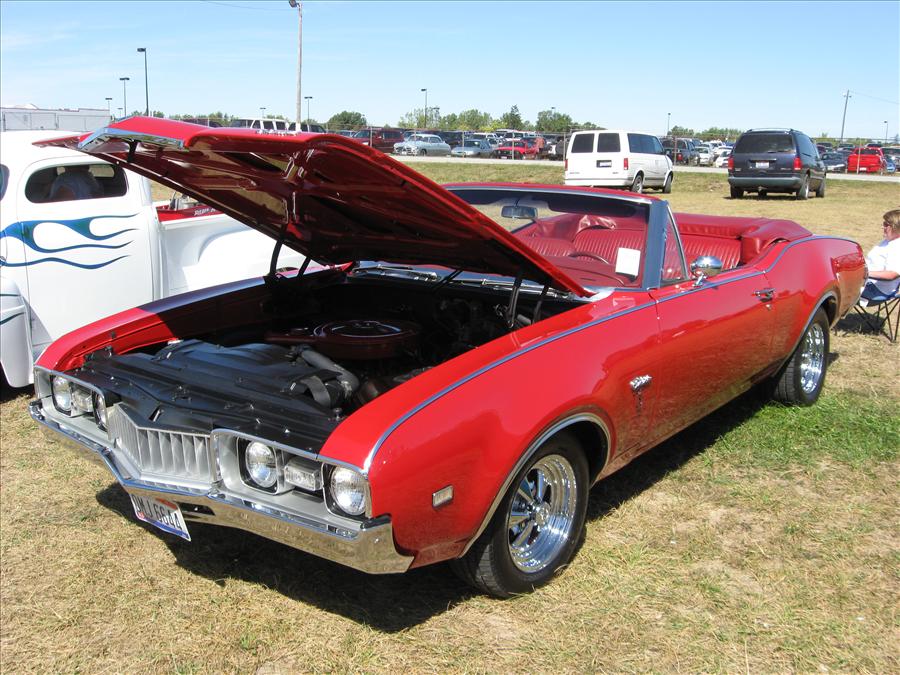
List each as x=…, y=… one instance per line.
x=637, y=185
x=801, y=379
x=538, y=525
x=667, y=186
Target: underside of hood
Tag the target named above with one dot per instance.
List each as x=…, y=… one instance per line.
x=326, y=196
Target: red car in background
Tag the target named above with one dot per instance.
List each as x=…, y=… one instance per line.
x=866, y=160
x=516, y=149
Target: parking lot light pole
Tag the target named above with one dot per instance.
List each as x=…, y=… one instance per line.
x=262, y=114
x=146, y=85
x=124, y=95
x=307, y=99
x=885, y=133
x=108, y=111
x=668, y=120
x=425, y=89
x=296, y=4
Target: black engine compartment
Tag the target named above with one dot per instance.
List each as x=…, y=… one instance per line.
x=305, y=369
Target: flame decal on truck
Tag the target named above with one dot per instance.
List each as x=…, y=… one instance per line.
x=24, y=231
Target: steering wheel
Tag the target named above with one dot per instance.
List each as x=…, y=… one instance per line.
x=587, y=254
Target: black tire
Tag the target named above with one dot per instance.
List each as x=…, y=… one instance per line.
x=667, y=186
x=490, y=566
x=801, y=379
x=803, y=191
x=637, y=185
x=763, y=194
x=820, y=191
x=736, y=192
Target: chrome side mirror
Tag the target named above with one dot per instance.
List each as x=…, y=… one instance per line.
x=705, y=267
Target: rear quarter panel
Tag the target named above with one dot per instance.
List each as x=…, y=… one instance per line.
x=807, y=273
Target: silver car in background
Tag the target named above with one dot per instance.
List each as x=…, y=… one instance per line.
x=473, y=147
x=422, y=144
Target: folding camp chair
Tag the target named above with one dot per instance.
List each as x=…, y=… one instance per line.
x=881, y=313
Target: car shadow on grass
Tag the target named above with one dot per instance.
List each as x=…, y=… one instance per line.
x=393, y=603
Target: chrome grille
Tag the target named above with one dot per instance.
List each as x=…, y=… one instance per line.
x=161, y=453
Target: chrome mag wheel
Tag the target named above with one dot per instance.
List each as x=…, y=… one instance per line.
x=542, y=513
x=812, y=358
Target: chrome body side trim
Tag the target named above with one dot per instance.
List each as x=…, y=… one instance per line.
x=366, y=546
x=526, y=457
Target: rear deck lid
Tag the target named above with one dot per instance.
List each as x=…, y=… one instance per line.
x=326, y=196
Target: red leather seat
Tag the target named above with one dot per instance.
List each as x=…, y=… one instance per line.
x=726, y=250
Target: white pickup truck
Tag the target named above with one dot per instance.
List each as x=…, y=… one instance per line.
x=67, y=259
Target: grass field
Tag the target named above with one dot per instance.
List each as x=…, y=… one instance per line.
x=762, y=539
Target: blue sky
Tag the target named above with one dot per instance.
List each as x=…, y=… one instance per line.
x=735, y=64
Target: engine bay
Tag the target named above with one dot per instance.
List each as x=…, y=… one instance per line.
x=343, y=346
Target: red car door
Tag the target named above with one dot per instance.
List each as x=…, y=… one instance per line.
x=714, y=338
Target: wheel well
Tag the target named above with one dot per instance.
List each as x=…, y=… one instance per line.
x=831, y=308
x=594, y=442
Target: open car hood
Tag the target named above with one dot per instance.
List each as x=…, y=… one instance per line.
x=326, y=196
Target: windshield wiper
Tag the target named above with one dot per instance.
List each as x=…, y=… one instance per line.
x=402, y=272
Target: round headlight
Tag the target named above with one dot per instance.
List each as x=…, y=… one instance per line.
x=259, y=461
x=348, y=489
x=62, y=394
x=100, y=410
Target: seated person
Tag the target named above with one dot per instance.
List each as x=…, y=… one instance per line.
x=883, y=260
x=76, y=182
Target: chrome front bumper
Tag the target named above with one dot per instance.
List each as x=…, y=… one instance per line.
x=367, y=546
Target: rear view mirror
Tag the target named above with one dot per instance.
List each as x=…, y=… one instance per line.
x=519, y=212
x=704, y=267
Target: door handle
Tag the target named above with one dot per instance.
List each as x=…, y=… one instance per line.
x=765, y=294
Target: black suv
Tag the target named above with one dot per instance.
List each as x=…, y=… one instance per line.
x=775, y=160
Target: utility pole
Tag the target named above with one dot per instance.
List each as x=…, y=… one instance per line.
x=847, y=97
x=297, y=4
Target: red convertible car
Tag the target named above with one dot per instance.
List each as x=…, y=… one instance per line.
x=474, y=358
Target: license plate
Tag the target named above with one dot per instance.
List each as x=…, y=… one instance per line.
x=160, y=513
x=761, y=165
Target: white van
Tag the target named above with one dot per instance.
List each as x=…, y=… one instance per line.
x=609, y=158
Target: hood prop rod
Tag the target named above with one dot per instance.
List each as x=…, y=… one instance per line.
x=277, y=250
x=513, y=301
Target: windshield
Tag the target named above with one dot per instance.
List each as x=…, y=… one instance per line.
x=596, y=240
x=764, y=143
x=362, y=133
x=473, y=144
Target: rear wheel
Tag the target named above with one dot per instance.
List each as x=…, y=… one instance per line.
x=538, y=525
x=763, y=194
x=667, y=186
x=803, y=191
x=637, y=184
x=800, y=381
x=736, y=192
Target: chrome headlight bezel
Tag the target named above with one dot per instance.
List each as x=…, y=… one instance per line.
x=334, y=502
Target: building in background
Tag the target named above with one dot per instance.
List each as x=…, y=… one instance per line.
x=14, y=118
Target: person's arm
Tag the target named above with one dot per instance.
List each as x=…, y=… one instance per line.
x=883, y=275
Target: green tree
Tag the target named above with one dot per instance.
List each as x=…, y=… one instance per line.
x=682, y=132
x=347, y=119
x=512, y=119
x=550, y=120
x=414, y=119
